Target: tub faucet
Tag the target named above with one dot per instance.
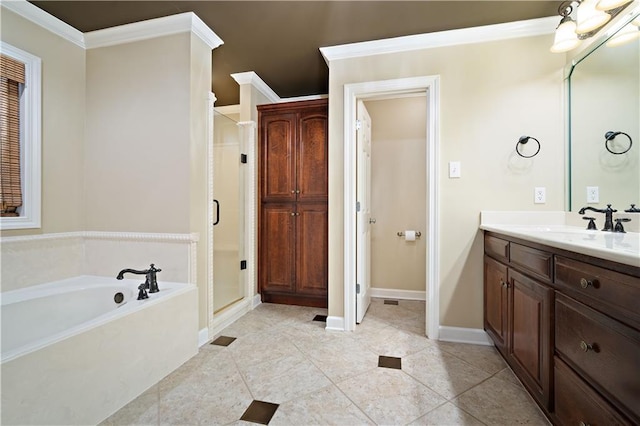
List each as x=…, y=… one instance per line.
x=150, y=282
x=608, y=215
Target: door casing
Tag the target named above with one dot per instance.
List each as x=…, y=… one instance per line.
x=387, y=88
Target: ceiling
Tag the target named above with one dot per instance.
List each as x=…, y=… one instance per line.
x=279, y=40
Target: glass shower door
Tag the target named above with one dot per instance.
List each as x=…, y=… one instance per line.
x=228, y=216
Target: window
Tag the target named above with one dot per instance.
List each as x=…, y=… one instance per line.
x=20, y=128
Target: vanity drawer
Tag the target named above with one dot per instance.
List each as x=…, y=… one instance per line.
x=611, y=292
x=496, y=248
x=576, y=403
x=537, y=262
x=605, y=352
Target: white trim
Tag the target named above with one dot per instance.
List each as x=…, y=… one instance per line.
x=528, y=28
x=152, y=28
x=304, y=98
x=474, y=336
x=228, y=109
x=391, y=293
x=101, y=235
x=30, y=141
x=257, y=301
x=229, y=315
x=45, y=20
x=369, y=90
x=253, y=79
x=203, y=337
x=335, y=324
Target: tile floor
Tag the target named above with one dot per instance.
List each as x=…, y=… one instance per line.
x=291, y=371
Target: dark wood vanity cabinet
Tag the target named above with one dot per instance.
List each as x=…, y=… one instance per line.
x=571, y=331
x=293, y=214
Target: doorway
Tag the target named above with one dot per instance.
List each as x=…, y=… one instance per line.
x=353, y=93
x=394, y=190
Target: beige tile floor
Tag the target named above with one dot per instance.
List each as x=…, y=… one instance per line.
x=319, y=377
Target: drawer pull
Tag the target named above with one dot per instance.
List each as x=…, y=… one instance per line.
x=584, y=283
x=585, y=346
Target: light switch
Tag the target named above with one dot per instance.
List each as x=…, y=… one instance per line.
x=454, y=169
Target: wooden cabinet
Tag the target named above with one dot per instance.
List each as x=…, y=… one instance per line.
x=518, y=311
x=572, y=329
x=293, y=234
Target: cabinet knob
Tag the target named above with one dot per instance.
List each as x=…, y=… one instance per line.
x=297, y=191
x=297, y=214
x=504, y=284
x=585, y=346
x=293, y=214
x=584, y=283
x=293, y=191
x=584, y=424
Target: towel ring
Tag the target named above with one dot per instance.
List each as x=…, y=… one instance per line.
x=523, y=140
x=609, y=136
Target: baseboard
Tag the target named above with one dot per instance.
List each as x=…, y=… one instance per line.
x=389, y=293
x=256, y=301
x=475, y=336
x=335, y=323
x=203, y=337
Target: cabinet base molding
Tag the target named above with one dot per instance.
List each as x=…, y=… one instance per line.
x=391, y=293
x=474, y=336
x=288, y=299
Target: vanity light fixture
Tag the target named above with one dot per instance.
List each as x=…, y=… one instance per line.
x=591, y=16
x=628, y=33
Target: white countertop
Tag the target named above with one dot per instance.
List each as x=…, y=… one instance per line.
x=614, y=246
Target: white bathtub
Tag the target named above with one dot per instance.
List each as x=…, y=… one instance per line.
x=71, y=354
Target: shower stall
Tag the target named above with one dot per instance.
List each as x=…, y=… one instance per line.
x=229, y=264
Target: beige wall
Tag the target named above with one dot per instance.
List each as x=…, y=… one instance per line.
x=490, y=94
x=398, y=192
x=63, y=93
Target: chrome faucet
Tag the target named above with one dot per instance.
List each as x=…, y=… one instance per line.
x=608, y=215
x=150, y=282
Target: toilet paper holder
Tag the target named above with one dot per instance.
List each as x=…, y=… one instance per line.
x=401, y=234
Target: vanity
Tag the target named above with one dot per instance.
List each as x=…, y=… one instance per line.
x=561, y=305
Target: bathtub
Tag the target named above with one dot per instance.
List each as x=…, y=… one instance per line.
x=75, y=351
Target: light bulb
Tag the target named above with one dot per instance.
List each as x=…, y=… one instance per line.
x=626, y=34
x=610, y=4
x=565, y=37
x=589, y=18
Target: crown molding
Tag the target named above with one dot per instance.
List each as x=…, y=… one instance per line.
x=532, y=27
x=253, y=79
x=152, y=28
x=45, y=20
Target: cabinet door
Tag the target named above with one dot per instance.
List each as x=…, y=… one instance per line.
x=277, y=157
x=495, y=302
x=277, y=250
x=312, y=249
x=530, y=334
x=312, y=147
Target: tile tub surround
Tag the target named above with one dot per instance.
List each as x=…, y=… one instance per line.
x=35, y=259
x=283, y=357
x=557, y=229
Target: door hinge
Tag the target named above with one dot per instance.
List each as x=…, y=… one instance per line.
x=358, y=124
x=243, y=265
x=358, y=288
x=357, y=206
x=243, y=158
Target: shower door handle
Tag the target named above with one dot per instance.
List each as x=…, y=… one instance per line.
x=217, y=212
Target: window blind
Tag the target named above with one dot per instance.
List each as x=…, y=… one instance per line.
x=11, y=77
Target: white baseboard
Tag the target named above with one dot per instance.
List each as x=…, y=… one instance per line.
x=257, y=299
x=475, y=336
x=229, y=315
x=203, y=337
x=390, y=293
x=335, y=323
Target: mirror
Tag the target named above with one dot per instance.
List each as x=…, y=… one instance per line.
x=604, y=96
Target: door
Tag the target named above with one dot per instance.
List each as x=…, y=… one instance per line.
x=495, y=302
x=312, y=239
x=363, y=225
x=278, y=241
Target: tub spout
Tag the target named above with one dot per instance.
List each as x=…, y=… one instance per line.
x=150, y=282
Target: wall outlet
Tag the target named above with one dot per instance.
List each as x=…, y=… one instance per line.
x=540, y=195
x=593, y=194
x=454, y=169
